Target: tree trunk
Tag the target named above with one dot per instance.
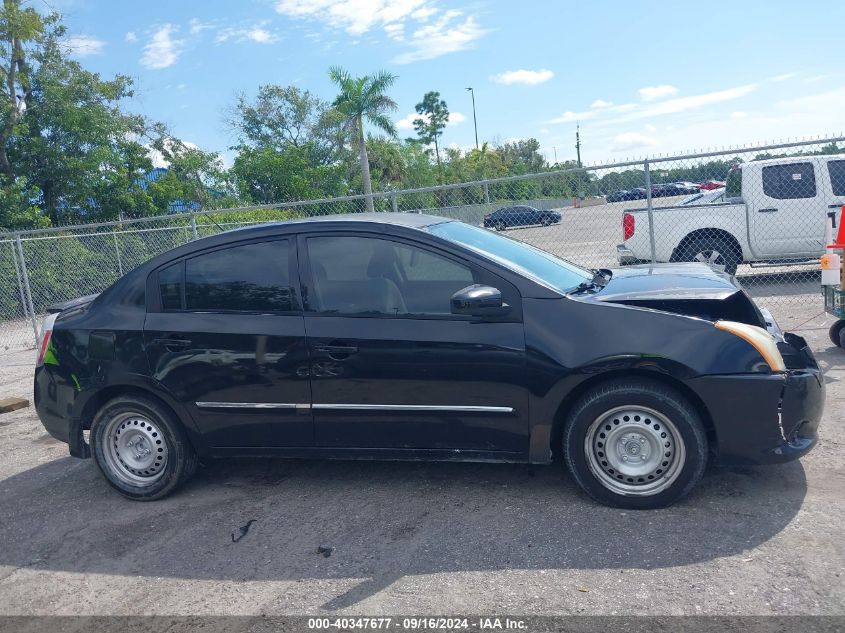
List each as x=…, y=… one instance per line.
x=365, y=167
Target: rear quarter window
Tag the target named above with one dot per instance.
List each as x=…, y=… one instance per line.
x=836, y=169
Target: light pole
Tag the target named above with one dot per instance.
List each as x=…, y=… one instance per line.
x=474, y=120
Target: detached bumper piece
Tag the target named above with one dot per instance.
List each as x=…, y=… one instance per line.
x=767, y=418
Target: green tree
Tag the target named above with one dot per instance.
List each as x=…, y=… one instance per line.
x=523, y=156
x=434, y=115
x=364, y=98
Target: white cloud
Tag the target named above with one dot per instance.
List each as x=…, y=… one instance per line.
x=652, y=93
x=256, y=33
x=522, y=76
x=627, y=112
x=631, y=140
x=601, y=103
x=131, y=37
x=83, y=45
x=162, y=50
x=434, y=31
x=783, y=77
x=739, y=115
x=445, y=35
x=650, y=128
x=197, y=26
x=407, y=121
x=158, y=159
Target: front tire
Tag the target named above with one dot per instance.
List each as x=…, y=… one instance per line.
x=635, y=444
x=140, y=449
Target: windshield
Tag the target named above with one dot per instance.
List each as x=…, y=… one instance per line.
x=519, y=257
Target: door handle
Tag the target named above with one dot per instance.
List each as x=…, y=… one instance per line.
x=336, y=352
x=767, y=210
x=180, y=343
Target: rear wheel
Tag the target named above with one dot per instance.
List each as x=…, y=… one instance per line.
x=835, y=333
x=500, y=226
x=717, y=252
x=140, y=449
x=635, y=444
x=546, y=221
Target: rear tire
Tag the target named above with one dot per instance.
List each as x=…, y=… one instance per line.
x=635, y=444
x=140, y=449
x=500, y=226
x=717, y=252
x=835, y=333
x=546, y=221
x=842, y=338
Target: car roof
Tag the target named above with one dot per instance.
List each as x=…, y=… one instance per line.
x=412, y=220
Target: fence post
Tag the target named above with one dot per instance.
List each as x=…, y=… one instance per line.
x=26, y=287
x=117, y=251
x=650, y=210
x=393, y=202
x=20, y=284
x=194, y=226
x=486, y=193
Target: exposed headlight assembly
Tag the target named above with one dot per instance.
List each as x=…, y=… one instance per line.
x=759, y=339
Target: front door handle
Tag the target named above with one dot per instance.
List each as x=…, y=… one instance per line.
x=173, y=343
x=767, y=210
x=336, y=352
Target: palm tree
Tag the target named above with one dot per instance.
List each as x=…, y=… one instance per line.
x=364, y=98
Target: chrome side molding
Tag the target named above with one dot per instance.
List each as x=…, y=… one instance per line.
x=355, y=407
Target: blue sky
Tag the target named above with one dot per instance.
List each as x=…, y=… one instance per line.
x=641, y=77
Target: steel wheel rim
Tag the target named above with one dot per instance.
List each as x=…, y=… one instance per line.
x=634, y=451
x=135, y=449
x=712, y=258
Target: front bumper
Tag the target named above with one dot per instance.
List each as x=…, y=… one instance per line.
x=764, y=418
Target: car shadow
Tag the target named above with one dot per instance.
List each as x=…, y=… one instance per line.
x=383, y=520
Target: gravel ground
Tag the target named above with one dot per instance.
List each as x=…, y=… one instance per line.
x=418, y=538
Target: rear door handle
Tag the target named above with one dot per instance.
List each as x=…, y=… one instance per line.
x=767, y=210
x=336, y=352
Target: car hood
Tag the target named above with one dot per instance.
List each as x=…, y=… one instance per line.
x=689, y=289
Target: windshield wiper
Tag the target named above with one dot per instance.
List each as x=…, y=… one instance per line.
x=598, y=281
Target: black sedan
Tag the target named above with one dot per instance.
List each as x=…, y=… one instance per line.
x=520, y=215
x=405, y=336
x=626, y=195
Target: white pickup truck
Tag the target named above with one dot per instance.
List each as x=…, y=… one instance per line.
x=774, y=213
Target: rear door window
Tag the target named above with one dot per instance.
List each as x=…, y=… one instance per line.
x=789, y=182
x=836, y=168
x=247, y=278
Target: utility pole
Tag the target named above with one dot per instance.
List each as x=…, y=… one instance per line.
x=474, y=120
x=555, y=151
x=578, y=142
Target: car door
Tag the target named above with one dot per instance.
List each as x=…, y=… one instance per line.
x=225, y=335
x=391, y=367
x=787, y=210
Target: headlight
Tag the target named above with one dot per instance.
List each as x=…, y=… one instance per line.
x=759, y=339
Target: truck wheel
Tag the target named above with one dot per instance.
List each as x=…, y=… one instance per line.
x=836, y=331
x=717, y=252
x=635, y=444
x=140, y=449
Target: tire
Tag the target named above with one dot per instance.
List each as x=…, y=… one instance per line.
x=836, y=331
x=718, y=252
x=640, y=418
x=546, y=221
x=842, y=338
x=141, y=449
x=500, y=226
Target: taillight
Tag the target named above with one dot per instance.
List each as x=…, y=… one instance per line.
x=628, y=225
x=46, y=334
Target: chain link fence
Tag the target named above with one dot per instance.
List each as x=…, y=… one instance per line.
x=759, y=212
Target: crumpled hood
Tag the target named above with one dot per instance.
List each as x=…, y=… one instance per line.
x=686, y=289
x=668, y=281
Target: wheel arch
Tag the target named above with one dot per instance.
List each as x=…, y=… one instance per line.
x=706, y=233
x=565, y=406
x=98, y=399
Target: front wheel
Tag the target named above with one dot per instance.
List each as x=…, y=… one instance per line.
x=500, y=226
x=140, y=449
x=546, y=221
x=635, y=444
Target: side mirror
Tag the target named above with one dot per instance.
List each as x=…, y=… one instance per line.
x=479, y=300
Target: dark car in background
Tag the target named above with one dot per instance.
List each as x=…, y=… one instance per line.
x=626, y=195
x=520, y=215
x=408, y=336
